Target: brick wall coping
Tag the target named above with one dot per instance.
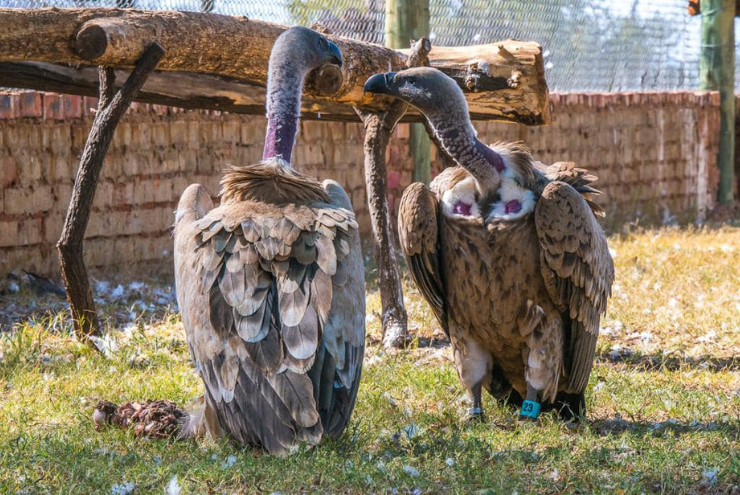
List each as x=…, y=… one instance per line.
x=51, y=106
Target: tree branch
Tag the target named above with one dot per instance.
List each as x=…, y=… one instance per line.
x=70, y=245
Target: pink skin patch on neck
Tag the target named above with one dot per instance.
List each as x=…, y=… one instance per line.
x=462, y=208
x=513, y=206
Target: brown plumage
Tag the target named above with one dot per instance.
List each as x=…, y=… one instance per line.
x=271, y=283
x=508, y=254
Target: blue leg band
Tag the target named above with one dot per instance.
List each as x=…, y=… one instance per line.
x=530, y=409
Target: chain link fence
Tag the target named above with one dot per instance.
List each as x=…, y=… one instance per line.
x=589, y=45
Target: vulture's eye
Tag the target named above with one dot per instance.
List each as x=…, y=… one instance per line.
x=412, y=81
x=322, y=43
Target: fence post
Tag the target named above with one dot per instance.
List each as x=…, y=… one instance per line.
x=718, y=73
x=406, y=20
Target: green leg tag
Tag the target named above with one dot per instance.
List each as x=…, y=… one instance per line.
x=530, y=409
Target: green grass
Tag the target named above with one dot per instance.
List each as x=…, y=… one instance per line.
x=651, y=427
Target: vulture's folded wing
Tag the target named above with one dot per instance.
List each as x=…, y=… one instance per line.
x=256, y=291
x=344, y=331
x=578, y=272
x=419, y=239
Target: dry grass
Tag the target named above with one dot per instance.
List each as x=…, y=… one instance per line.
x=664, y=400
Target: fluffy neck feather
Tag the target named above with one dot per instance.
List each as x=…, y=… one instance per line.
x=284, y=87
x=455, y=132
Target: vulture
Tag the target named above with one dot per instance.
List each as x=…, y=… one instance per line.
x=508, y=254
x=270, y=283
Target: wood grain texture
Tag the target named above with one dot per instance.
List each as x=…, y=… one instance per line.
x=500, y=83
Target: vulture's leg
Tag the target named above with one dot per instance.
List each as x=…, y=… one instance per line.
x=475, y=412
x=473, y=364
x=570, y=407
x=543, y=359
x=530, y=410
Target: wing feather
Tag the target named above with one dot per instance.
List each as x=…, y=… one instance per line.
x=256, y=290
x=340, y=368
x=419, y=239
x=578, y=272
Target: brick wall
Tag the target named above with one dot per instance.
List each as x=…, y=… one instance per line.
x=654, y=153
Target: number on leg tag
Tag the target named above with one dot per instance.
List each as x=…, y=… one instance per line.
x=530, y=409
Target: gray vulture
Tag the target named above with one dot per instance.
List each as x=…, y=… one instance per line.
x=508, y=254
x=271, y=283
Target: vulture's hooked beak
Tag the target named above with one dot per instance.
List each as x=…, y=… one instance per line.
x=380, y=83
x=336, y=54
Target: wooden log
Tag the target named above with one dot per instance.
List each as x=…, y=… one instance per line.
x=506, y=84
x=379, y=126
x=111, y=107
x=378, y=129
x=179, y=89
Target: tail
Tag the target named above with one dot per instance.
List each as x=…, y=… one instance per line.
x=194, y=203
x=580, y=180
x=198, y=421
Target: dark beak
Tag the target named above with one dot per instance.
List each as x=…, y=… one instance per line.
x=336, y=55
x=380, y=83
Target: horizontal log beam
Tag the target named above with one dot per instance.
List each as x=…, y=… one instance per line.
x=178, y=89
x=220, y=62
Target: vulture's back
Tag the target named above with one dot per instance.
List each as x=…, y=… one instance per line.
x=271, y=293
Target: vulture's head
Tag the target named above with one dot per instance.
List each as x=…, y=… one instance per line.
x=309, y=48
x=428, y=89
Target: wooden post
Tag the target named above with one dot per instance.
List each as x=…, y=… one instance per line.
x=718, y=73
x=406, y=20
x=111, y=107
x=378, y=129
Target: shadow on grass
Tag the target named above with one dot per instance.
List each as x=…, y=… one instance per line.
x=661, y=362
x=619, y=426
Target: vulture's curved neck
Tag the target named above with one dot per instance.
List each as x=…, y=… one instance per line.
x=284, y=87
x=457, y=135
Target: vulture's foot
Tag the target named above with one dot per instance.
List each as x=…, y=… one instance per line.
x=153, y=419
x=524, y=418
x=475, y=415
x=530, y=410
x=513, y=399
x=570, y=407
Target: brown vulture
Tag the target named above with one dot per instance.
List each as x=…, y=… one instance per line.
x=271, y=283
x=507, y=253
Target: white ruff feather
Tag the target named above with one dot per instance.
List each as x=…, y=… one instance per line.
x=509, y=190
x=464, y=191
